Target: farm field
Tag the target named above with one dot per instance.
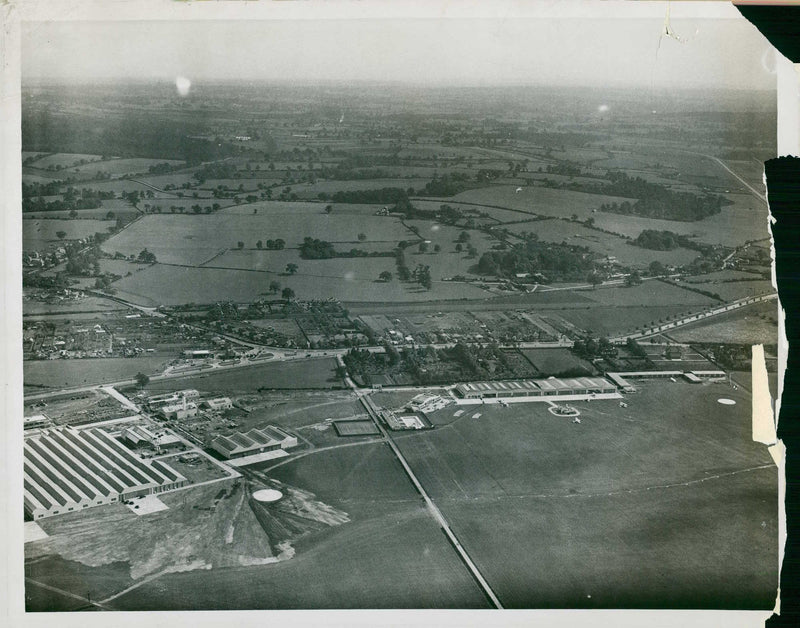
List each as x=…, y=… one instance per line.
x=754, y=324
x=122, y=166
x=173, y=285
x=609, y=320
x=86, y=304
x=64, y=160
x=35, y=177
x=312, y=373
x=537, y=200
x=675, y=470
x=603, y=243
x=652, y=292
x=311, y=190
x=62, y=373
x=191, y=240
x=38, y=234
x=733, y=290
x=552, y=361
x=745, y=220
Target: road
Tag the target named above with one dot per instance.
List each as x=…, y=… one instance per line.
x=722, y=309
x=758, y=194
x=432, y=508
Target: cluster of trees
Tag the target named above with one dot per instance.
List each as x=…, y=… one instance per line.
x=535, y=257
x=271, y=245
x=162, y=168
x=73, y=199
x=314, y=248
x=656, y=240
x=591, y=348
x=146, y=257
x=377, y=196
x=219, y=170
x=658, y=201
x=446, y=185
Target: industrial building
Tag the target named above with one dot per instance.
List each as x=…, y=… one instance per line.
x=35, y=421
x=66, y=470
x=179, y=411
x=427, y=402
x=139, y=436
x=219, y=403
x=535, y=388
x=169, y=399
x=255, y=441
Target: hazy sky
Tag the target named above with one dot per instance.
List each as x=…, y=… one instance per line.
x=622, y=52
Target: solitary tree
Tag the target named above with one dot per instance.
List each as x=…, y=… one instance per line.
x=291, y=269
x=240, y=244
x=385, y=276
x=61, y=234
x=142, y=380
x=259, y=244
x=328, y=209
x=362, y=237
x=287, y=294
x=423, y=247
x=274, y=286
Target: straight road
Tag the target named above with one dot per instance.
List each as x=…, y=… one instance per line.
x=432, y=508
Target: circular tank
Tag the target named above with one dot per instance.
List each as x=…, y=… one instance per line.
x=267, y=495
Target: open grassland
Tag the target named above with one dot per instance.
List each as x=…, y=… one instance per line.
x=536, y=200
x=64, y=160
x=313, y=373
x=87, y=304
x=650, y=293
x=554, y=511
x=39, y=177
x=733, y=290
x=38, y=233
x=390, y=554
x=745, y=220
x=754, y=324
x=67, y=373
x=551, y=361
x=120, y=167
x=311, y=190
x=173, y=285
x=606, y=244
x=193, y=239
x=611, y=320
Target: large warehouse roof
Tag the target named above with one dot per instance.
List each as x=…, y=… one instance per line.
x=66, y=465
x=534, y=386
x=242, y=442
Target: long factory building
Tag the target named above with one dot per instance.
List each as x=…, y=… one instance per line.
x=66, y=470
x=535, y=388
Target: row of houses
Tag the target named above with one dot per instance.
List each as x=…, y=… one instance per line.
x=535, y=388
x=66, y=469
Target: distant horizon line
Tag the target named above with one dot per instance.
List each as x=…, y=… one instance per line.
x=61, y=81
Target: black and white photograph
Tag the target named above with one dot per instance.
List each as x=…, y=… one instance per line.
x=396, y=309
